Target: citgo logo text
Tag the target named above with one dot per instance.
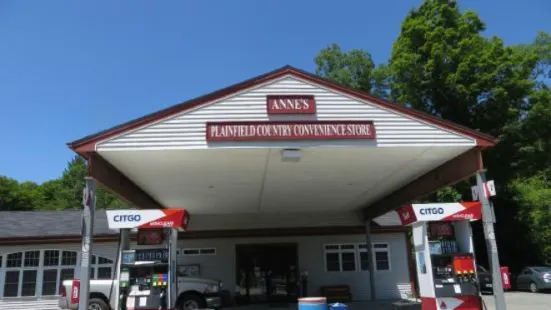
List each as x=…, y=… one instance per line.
x=431, y=211
x=127, y=218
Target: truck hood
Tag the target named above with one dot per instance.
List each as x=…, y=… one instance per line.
x=198, y=280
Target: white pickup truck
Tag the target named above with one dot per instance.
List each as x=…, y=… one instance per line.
x=193, y=293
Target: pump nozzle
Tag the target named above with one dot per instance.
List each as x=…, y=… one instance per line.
x=162, y=303
x=122, y=300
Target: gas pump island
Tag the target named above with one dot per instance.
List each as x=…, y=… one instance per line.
x=446, y=267
x=147, y=270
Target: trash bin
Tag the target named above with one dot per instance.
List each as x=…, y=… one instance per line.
x=338, y=306
x=312, y=303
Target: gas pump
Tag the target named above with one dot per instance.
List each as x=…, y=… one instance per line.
x=446, y=266
x=146, y=270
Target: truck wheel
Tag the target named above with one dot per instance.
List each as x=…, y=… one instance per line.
x=97, y=304
x=192, y=302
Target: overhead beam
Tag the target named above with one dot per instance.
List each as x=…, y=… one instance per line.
x=458, y=169
x=118, y=183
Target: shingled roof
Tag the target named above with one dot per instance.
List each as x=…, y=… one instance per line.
x=24, y=224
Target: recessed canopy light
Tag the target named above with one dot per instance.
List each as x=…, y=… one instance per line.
x=291, y=155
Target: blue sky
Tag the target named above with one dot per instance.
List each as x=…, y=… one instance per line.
x=71, y=68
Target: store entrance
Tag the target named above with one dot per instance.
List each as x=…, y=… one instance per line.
x=267, y=273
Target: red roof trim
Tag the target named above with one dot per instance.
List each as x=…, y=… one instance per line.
x=87, y=144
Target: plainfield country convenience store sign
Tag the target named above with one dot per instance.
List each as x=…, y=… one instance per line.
x=290, y=130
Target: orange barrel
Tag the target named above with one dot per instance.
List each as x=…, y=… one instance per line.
x=312, y=303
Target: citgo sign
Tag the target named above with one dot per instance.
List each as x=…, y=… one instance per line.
x=127, y=218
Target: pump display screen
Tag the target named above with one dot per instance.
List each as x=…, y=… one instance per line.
x=152, y=255
x=441, y=229
x=128, y=257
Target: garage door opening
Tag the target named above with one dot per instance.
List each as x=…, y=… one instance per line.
x=267, y=273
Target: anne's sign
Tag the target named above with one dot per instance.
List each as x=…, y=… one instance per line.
x=290, y=104
x=292, y=130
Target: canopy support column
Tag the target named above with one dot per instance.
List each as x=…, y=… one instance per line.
x=89, y=206
x=488, y=220
x=371, y=267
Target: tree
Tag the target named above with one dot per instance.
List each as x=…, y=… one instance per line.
x=73, y=182
x=354, y=68
x=533, y=194
x=441, y=64
x=13, y=197
x=59, y=194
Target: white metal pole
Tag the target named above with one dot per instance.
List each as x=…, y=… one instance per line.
x=488, y=220
x=124, y=245
x=172, y=277
x=89, y=206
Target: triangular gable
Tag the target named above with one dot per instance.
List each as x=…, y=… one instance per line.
x=295, y=81
x=187, y=129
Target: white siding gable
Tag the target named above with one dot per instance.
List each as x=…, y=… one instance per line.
x=187, y=129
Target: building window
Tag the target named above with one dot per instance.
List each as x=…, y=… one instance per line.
x=32, y=259
x=380, y=256
x=340, y=257
x=56, y=266
x=66, y=274
x=28, y=287
x=197, y=251
x=69, y=258
x=22, y=271
x=102, y=268
x=11, y=283
x=364, y=257
x=14, y=260
x=51, y=258
x=49, y=282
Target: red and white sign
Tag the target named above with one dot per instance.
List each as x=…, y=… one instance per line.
x=451, y=303
x=292, y=130
x=166, y=218
x=505, y=277
x=407, y=215
x=290, y=104
x=454, y=211
x=489, y=190
x=75, y=291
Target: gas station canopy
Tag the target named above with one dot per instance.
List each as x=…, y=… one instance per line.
x=284, y=142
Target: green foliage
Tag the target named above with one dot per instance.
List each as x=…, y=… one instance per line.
x=533, y=194
x=443, y=65
x=59, y=194
x=354, y=68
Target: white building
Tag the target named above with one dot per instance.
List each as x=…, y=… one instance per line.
x=284, y=171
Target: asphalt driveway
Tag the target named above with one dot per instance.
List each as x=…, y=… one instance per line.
x=522, y=301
